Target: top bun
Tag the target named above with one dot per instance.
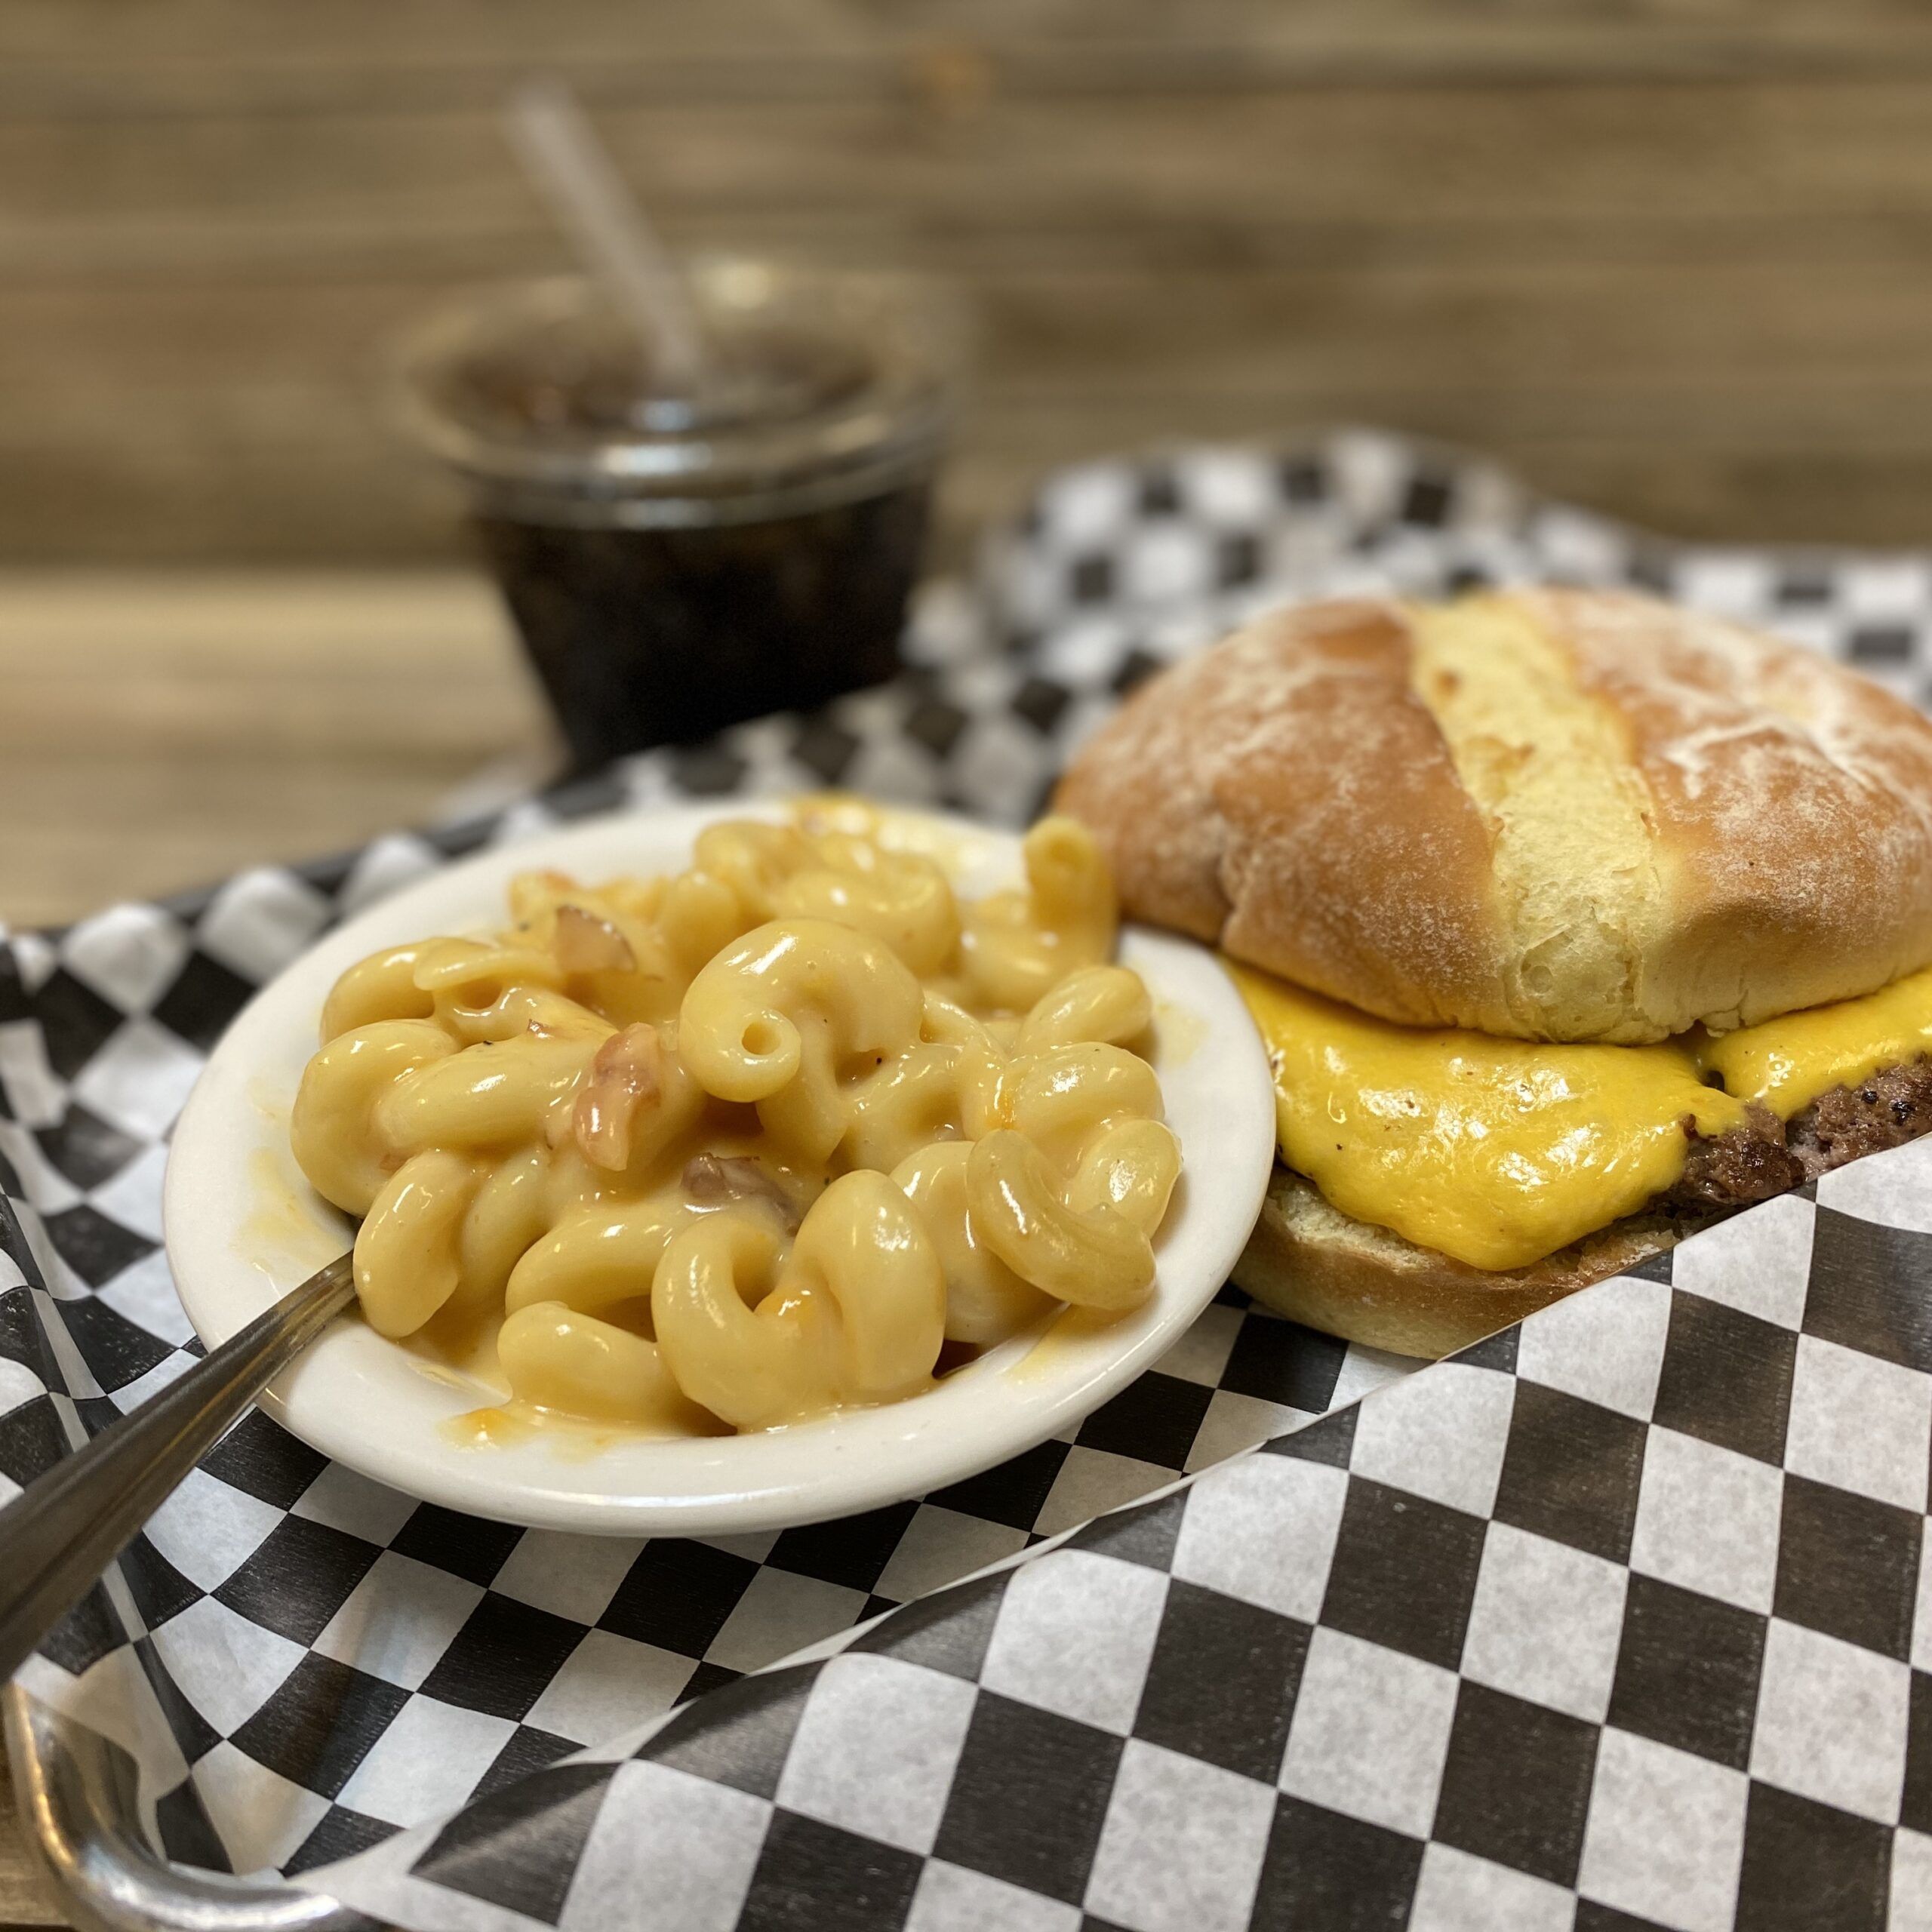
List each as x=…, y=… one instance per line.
x=1556, y=814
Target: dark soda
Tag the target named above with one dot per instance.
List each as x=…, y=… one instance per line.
x=662, y=636
x=677, y=562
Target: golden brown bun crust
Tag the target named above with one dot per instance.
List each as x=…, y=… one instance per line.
x=1320, y=1267
x=1643, y=819
x=1285, y=795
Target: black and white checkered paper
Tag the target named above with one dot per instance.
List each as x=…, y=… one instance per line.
x=1618, y=1619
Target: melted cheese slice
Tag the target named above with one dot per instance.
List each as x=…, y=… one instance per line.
x=1496, y=1151
x=1500, y=1151
x=1787, y=1064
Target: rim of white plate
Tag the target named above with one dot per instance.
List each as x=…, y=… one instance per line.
x=242, y=1227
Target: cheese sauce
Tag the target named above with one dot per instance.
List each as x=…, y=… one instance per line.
x=1499, y=1152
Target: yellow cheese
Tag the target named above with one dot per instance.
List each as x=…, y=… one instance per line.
x=1787, y=1064
x=1496, y=1152
x=1500, y=1151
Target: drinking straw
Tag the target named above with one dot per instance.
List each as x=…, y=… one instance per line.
x=572, y=168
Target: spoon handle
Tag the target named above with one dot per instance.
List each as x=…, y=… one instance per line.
x=65, y=1528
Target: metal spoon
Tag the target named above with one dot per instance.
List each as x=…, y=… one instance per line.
x=65, y=1527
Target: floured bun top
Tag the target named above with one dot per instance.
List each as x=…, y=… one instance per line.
x=1557, y=814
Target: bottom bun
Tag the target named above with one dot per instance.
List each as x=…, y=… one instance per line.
x=1324, y=1269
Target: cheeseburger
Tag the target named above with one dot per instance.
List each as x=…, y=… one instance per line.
x=1571, y=920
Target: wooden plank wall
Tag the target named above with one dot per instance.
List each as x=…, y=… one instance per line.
x=1669, y=256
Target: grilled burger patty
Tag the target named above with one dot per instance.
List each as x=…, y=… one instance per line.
x=1766, y=1156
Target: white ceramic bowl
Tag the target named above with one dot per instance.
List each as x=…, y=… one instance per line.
x=243, y=1227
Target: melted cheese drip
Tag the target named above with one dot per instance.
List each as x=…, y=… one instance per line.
x=1787, y=1064
x=1500, y=1151
x=1496, y=1151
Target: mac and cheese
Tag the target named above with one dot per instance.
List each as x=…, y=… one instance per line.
x=792, y=1129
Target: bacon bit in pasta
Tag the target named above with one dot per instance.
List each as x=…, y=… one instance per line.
x=587, y=944
x=626, y=1077
x=712, y=1180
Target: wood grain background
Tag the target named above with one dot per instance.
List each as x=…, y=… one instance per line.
x=1670, y=256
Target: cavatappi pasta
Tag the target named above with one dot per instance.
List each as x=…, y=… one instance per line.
x=788, y=1130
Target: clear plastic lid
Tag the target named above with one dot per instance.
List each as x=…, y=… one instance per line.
x=823, y=387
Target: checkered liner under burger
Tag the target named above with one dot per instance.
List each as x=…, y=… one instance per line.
x=1381, y=1659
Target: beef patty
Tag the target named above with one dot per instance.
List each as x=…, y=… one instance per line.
x=1766, y=1156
